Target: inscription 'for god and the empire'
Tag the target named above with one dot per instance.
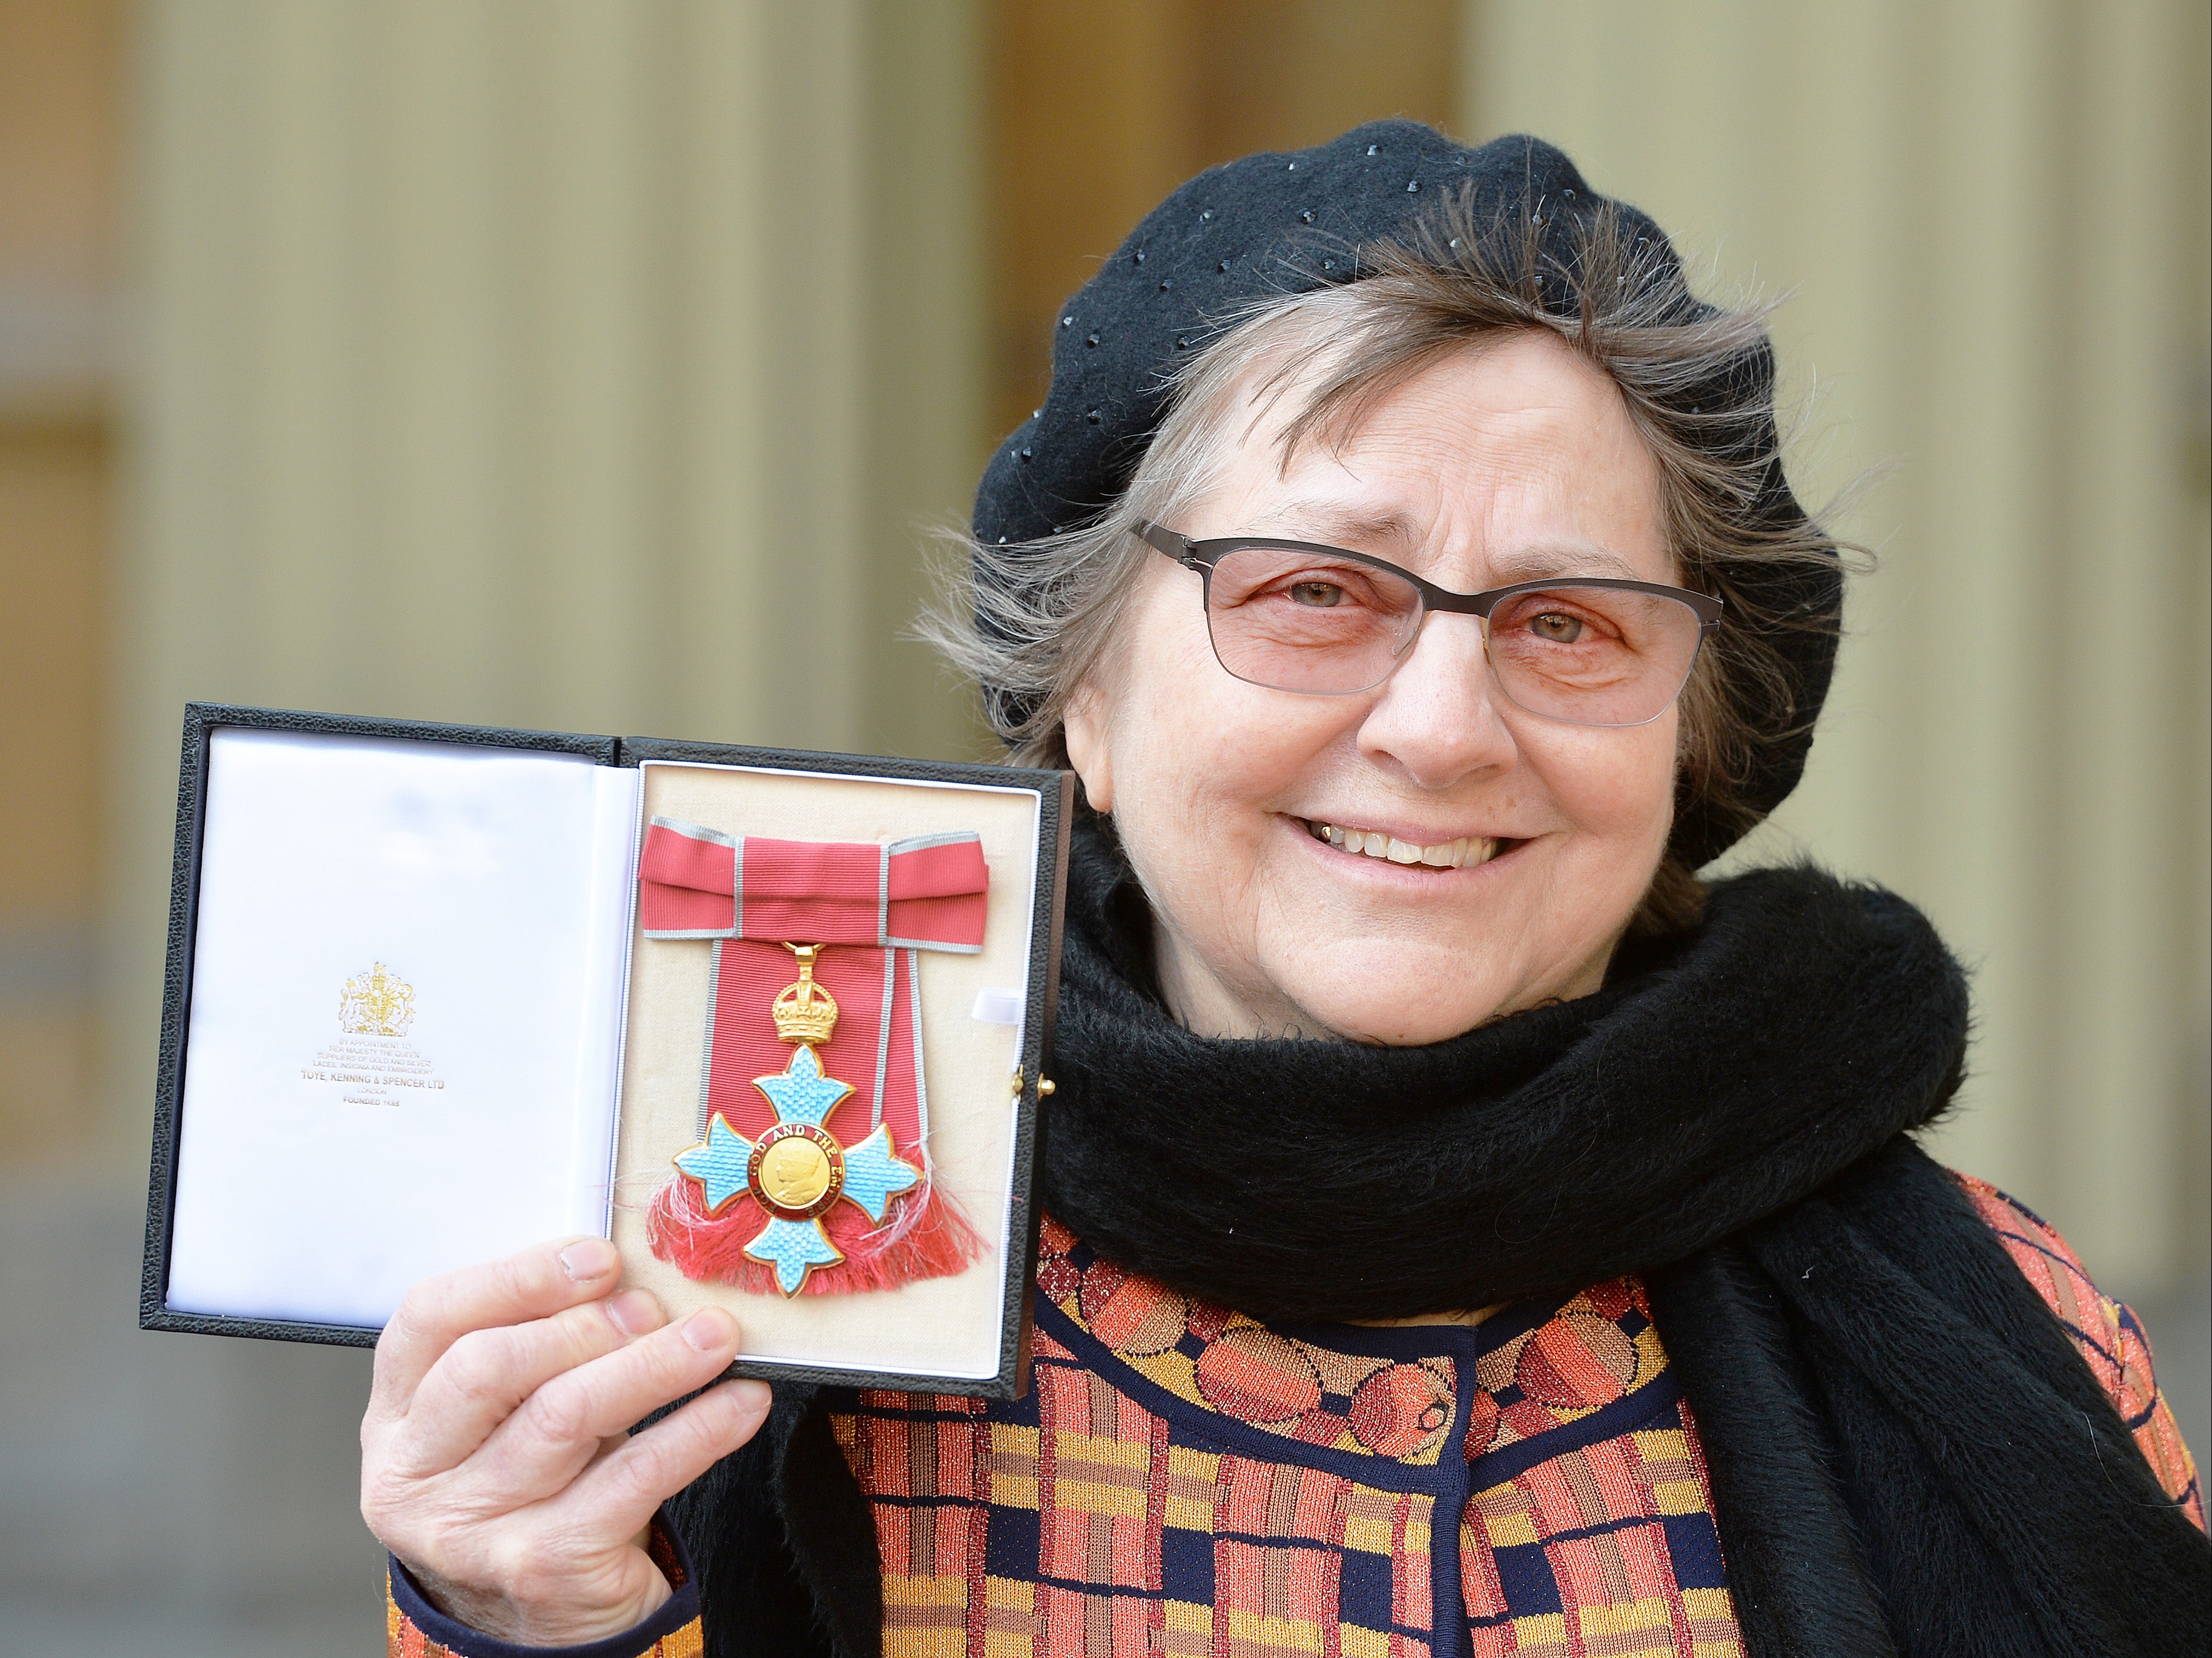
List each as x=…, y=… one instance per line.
x=370, y=1059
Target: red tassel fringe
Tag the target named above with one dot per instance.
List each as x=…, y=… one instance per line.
x=922, y=1235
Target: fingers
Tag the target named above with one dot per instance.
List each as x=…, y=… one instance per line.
x=486, y=1373
x=437, y=1312
x=550, y=1437
x=627, y=1486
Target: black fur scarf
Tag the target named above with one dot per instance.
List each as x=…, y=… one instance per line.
x=1908, y=1457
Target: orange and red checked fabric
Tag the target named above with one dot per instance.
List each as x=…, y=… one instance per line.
x=403, y=1639
x=1186, y=1480
x=1183, y=1480
x=1613, y=1527
x=1092, y=1528
x=2104, y=1330
x=415, y=1629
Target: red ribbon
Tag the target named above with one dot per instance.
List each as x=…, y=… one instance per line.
x=752, y=896
x=927, y=892
x=875, y=906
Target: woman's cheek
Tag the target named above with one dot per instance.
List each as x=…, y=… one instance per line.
x=1617, y=783
x=1206, y=739
x=1195, y=780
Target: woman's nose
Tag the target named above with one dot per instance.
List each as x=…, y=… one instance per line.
x=1438, y=714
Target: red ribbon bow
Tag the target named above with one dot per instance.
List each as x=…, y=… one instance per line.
x=874, y=907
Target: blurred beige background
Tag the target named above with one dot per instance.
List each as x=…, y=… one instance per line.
x=590, y=363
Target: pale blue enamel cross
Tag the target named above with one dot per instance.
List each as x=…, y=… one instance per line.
x=800, y=1094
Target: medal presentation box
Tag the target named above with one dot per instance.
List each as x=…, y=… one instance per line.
x=774, y=1023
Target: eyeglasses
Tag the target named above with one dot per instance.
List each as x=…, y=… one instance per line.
x=1294, y=616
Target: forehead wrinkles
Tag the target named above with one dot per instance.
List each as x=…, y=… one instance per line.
x=1512, y=394
x=1453, y=479
x=1413, y=466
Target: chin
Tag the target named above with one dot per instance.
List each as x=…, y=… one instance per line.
x=1404, y=1035
x=1384, y=1017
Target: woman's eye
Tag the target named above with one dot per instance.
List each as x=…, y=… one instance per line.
x=1556, y=626
x=1316, y=593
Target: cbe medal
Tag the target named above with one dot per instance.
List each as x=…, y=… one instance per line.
x=797, y=1171
x=816, y=1179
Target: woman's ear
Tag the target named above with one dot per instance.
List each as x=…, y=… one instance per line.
x=1089, y=751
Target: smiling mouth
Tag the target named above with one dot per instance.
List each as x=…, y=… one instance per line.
x=1463, y=853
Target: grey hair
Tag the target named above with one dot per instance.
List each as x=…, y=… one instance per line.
x=1032, y=622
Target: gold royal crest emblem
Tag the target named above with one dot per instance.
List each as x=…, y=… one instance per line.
x=377, y=1003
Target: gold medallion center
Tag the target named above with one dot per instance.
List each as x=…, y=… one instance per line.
x=795, y=1172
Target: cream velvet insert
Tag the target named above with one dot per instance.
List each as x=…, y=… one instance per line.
x=947, y=1327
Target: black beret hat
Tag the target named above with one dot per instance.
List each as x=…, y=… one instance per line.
x=1285, y=222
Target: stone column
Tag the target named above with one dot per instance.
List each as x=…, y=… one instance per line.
x=573, y=365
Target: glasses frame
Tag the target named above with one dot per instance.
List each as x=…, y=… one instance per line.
x=1203, y=555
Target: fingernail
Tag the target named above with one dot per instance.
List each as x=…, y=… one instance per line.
x=589, y=1258
x=635, y=1312
x=710, y=1329
x=755, y=1396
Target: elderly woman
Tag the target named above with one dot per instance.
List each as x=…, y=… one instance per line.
x=1469, y=1232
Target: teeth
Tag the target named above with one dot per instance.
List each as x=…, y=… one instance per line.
x=1466, y=851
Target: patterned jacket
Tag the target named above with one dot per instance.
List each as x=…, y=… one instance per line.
x=1182, y=1480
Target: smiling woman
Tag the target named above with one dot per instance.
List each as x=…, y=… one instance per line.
x=1469, y=1232
x=1680, y=395
x=1485, y=456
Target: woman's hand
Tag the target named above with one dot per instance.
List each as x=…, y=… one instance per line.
x=495, y=1460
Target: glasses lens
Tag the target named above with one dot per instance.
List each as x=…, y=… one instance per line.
x=1597, y=656
x=1296, y=620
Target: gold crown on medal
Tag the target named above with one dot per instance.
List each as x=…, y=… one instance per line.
x=804, y=1011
